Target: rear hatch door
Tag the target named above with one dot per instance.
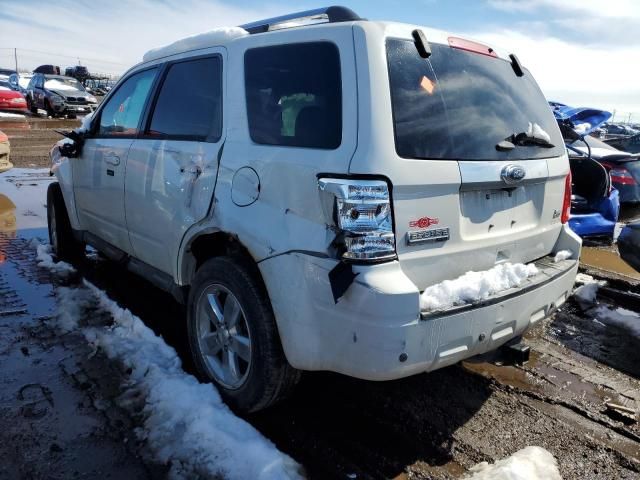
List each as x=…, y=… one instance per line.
x=462, y=199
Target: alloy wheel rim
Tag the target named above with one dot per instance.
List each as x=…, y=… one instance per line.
x=224, y=340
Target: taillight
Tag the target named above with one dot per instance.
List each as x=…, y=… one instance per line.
x=361, y=210
x=622, y=175
x=566, y=205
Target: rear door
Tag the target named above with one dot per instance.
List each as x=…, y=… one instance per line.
x=98, y=175
x=172, y=168
x=462, y=200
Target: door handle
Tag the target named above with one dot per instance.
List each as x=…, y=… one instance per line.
x=111, y=159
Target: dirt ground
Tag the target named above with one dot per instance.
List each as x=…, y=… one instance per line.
x=32, y=139
x=59, y=402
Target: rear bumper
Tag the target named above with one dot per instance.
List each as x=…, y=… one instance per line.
x=376, y=331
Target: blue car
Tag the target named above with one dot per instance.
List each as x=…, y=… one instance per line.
x=595, y=203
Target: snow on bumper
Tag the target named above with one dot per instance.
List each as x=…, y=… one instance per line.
x=376, y=330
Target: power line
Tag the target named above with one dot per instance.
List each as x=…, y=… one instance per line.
x=97, y=60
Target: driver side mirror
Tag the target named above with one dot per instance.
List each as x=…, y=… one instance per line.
x=72, y=149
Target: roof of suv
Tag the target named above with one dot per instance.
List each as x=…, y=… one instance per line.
x=322, y=17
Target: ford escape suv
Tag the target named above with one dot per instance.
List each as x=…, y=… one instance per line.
x=299, y=182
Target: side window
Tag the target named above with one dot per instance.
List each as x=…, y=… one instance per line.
x=121, y=114
x=294, y=95
x=189, y=106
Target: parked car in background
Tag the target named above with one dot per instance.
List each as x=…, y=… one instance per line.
x=5, y=151
x=372, y=162
x=629, y=244
x=20, y=82
x=623, y=167
x=616, y=129
x=59, y=95
x=48, y=69
x=595, y=203
x=10, y=100
x=629, y=144
x=79, y=72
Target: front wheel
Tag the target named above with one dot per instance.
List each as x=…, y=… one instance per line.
x=50, y=111
x=61, y=238
x=30, y=105
x=233, y=336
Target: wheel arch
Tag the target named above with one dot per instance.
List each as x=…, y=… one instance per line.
x=206, y=244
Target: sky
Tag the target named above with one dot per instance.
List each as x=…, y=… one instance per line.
x=581, y=52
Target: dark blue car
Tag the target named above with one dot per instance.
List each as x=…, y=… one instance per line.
x=595, y=203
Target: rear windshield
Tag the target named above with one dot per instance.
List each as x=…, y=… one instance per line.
x=458, y=105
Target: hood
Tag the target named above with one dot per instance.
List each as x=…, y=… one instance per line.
x=584, y=120
x=69, y=93
x=8, y=93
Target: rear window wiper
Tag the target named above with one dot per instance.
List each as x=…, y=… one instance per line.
x=535, y=136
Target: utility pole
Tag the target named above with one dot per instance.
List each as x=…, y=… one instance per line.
x=15, y=56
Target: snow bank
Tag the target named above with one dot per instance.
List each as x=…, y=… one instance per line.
x=45, y=260
x=562, y=255
x=619, y=317
x=185, y=423
x=11, y=115
x=586, y=293
x=475, y=286
x=530, y=463
x=215, y=37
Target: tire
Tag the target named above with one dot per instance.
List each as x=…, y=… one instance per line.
x=32, y=108
x=50, y=111
x=61, y=238
x=266, y=377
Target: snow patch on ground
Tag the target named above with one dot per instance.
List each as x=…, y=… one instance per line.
x=619, y=317
x=586, y=293
x=45, y=260
x=562, y=255
x=11, y=115
x=475, y=286
x=185, y=423
x=212, y=38
x=530, y=463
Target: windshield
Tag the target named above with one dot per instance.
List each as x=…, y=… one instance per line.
x=459, y=105
x=62, y=84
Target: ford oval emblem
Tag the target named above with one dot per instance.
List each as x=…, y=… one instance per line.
x=513, y=174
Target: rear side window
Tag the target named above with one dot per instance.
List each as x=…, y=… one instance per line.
x=121, y=114
x=189, y=105
x=458, y=105
x=294, y=95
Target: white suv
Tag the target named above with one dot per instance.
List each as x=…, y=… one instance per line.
x=300, y=181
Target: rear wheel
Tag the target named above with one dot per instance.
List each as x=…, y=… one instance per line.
x=233, y=336
x=61, y=238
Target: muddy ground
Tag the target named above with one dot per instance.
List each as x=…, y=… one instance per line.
x=60, y=418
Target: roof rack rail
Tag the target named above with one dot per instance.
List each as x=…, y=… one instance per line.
x=332, y=14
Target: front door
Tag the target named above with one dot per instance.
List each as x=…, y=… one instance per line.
x=172, y=168
x=98, y=174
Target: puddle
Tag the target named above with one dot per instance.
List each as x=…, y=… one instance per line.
x=23, y=194
x=607, y=260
